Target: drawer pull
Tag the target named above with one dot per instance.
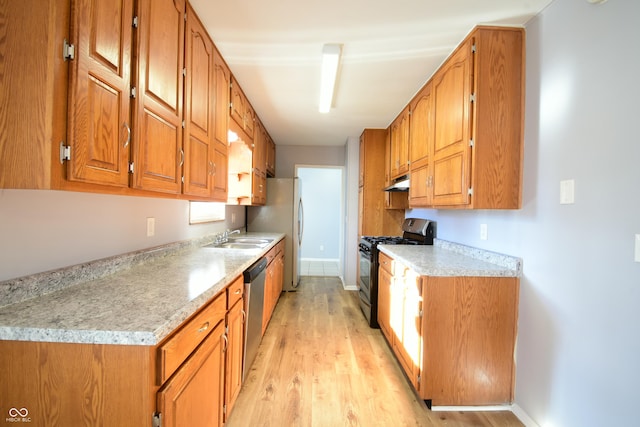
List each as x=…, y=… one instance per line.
x=237, y=292
x=204, y=327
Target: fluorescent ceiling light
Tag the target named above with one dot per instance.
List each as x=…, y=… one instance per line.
x=330, y=60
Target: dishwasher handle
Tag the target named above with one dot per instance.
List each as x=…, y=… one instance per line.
x=256, y=268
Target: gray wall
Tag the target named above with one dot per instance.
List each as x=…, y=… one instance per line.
x=578, y=345
x=45, y=230
x=287, y=156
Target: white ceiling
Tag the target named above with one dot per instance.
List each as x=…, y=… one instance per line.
x=390, y=49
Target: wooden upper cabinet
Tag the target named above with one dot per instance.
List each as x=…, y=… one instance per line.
x=99, y=126
x=399, y=131
x=241, y=111
x=199, y=107
x=222, y=77
x=451, y=152
x=420, y=146
x=478, y=97
x=421, y=128
x=271, y=157
x=157, y=145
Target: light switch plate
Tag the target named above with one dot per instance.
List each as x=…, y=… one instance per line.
x=637, y=254
x=567, y=192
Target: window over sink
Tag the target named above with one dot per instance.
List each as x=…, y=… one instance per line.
x=201, y=212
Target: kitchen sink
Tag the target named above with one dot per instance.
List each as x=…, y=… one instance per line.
x=250, y=240
x=241, y=243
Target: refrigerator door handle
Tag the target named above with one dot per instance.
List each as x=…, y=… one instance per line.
x=300, y=221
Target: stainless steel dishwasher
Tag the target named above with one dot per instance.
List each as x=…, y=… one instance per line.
x=254, y=278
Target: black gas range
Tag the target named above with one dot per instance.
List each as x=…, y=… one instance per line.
x=416, y=231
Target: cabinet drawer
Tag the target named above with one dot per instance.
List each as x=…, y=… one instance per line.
x=235, y=291
x=180, y=345
x=386, y=263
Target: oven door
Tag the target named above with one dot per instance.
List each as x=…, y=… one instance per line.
x=365, y=273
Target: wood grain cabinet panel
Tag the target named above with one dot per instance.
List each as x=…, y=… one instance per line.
x=199, y=106
x=373, y=218
x=99, y=125
x=466, y=126
x=453, y=336
x=158, y=153
x=195, y=395
x=176, y=349
x=234, y=354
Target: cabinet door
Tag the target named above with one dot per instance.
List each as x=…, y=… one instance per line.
x=100, y=81
x=384, y=303
x=198, y=109
x=420, y=147
x=452, y=154
x=238, y=107
x=222, y=77
x=220, y=175
x=408, y=345
x=421, y=128
x=400, y=144
x=157, y=151
x=420, y=189
x=194, y=395
x=234, y=355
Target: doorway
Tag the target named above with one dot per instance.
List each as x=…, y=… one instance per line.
x=322, y=192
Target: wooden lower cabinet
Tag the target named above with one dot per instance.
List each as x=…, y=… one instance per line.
x=234, y=355
x=453, y=336
x=194, y=396
x=273, y=282
x=188, y=380
x=80, y=385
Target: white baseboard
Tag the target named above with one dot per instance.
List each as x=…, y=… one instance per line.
x=320, y=259
x=516, y=409
x=472, y=408
x=523, y=416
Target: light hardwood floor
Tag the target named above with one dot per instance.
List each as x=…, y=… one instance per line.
x=319, y=364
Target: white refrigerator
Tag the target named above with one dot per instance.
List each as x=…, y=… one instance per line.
x=283, y=213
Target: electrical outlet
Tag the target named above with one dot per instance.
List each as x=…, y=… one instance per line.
x=484, y=232
x=151, y=227
x=321, y=248
x=233, y=218
x=567, y=192
x=637, y=254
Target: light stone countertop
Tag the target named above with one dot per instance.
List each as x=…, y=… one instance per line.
x=135, y=305
x=452, y=259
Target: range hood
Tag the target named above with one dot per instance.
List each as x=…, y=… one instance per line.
x=399, y=184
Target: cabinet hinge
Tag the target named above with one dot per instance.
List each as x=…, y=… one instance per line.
x=419, y=379
x=473, y=48
x=156, y=420
x=420, y=313
x=65, y=152
x=131, y=166
x=471, y=143
x=133, y=92
x=472, y=98
x=185, y=17
x=184, y=125
x=184, y=72
x=134, y=22
x=470, y=191
x=224, y=409
x=68, y=50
